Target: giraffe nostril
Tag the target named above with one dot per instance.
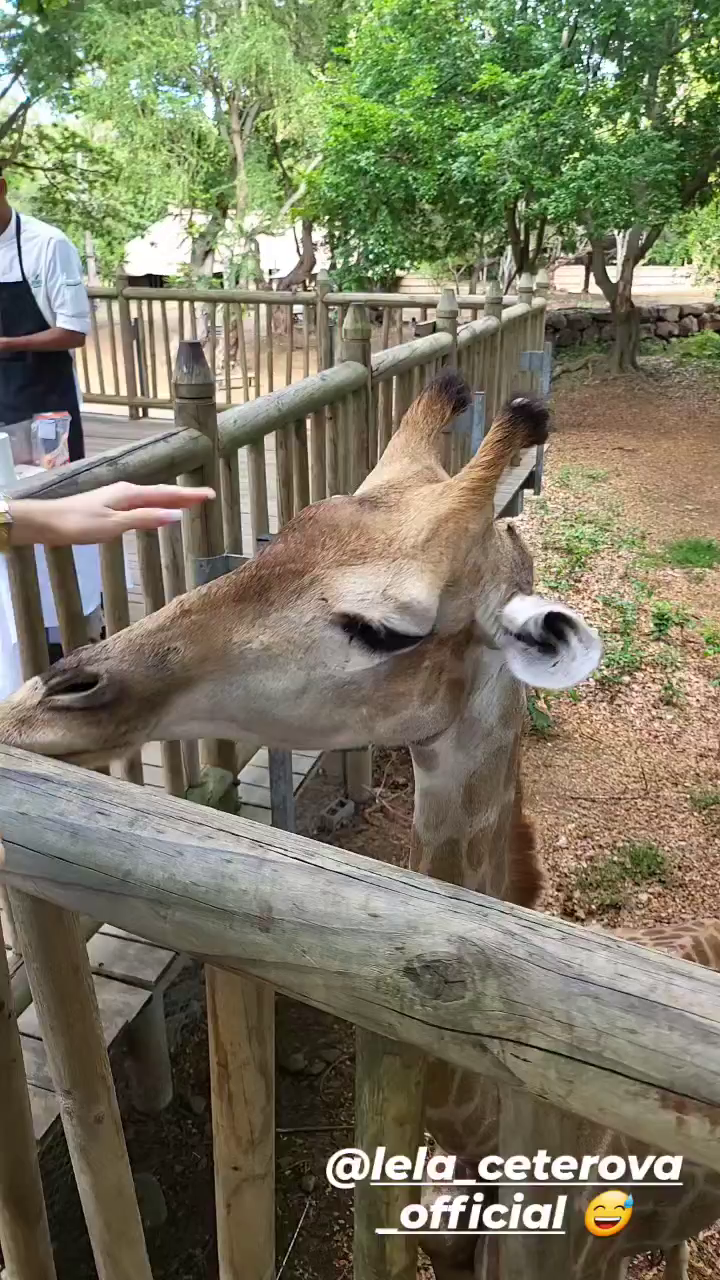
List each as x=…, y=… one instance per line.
x=77, y=689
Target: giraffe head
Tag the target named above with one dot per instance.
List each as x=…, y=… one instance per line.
x=363, y=621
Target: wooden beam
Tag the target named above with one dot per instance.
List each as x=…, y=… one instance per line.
x=155, y=459
x=628, y=1037
x=245, y=424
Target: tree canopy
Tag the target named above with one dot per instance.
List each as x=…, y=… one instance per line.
x=199, y=105
x=465, y=125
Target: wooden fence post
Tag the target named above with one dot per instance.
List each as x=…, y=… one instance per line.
x=542, y=282
x=241, y=1012
x=493, y=308
x=127, y=343
x=356, y=345
x=323, y=286
x=388, y=1113
x=356, y=339
x=24, y=1231
x=446, y=321
x=194, y=406
x=525, y=295
x=56, y=959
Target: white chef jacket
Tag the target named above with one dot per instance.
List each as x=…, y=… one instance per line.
x=52, y=269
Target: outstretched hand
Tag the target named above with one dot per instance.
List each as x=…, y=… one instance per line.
x=101, y=514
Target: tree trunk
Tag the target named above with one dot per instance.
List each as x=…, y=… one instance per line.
x=299, y=276
x=587, y=268
x=627, y=321
x=627, y=336
x=619, y=295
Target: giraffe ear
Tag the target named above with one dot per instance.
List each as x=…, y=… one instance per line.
x=547, y=645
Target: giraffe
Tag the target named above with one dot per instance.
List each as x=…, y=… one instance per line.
x=400, y=615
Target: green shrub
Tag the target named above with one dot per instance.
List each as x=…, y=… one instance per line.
x=693, y=553
x=701, y=346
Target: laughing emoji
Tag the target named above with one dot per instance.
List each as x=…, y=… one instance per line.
x=609, y=1213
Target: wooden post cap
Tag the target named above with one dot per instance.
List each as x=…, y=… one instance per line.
x=356, y=325
x=192, y=377
x=447, y=307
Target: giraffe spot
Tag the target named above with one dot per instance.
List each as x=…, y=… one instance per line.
x=442, y=978
x=447, y=860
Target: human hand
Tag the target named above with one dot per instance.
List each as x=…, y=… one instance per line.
x=101, y=514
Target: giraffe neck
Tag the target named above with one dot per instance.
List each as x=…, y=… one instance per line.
x=468, y=828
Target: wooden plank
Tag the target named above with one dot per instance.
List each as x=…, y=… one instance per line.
x=590, y=1023
x=259, y=775
x=118, y=1003
x=250, y=794
x=127, y=961
x=37, y=1070
x=45, y=1110
x=255, y=814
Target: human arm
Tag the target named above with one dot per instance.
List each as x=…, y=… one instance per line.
x=100, y=515
x=49, y=340
x=68, y=306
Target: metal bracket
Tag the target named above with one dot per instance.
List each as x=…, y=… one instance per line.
x=479, y=424
x=208, y=568
x=471, y=422
x=539, y=362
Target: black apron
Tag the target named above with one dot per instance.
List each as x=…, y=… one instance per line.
x=34, y=381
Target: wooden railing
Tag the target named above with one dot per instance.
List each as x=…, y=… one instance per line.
x=254, y=340
x=298, y=444
x=591, y=1024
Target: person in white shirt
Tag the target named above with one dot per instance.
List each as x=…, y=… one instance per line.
x=44, y=316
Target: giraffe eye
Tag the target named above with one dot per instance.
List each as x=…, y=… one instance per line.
x=376, y=637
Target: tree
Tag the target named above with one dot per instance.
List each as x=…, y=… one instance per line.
x=40, y=53
x=456, y=124
x=650, y=76
x=442, y=130
x=218, y=91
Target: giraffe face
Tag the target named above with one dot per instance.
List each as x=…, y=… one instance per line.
x=368, y=618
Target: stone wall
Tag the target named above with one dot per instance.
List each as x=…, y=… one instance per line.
x=583, y=325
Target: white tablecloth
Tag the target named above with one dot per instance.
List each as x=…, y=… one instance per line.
x=87, y=564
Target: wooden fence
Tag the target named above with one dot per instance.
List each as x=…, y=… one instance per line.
x=254, y=340
x=268, y=458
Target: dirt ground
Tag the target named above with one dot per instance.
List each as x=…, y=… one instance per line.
x=622, y=781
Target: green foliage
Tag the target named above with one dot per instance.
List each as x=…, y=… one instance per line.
x=202, y=106
x=541, y=722
x=693, y=553
x=604, y=884
x=706, y=799
x=461, y=125
x=699, y=346
x=664, y=616
x=711, y=636
x=623, y=652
